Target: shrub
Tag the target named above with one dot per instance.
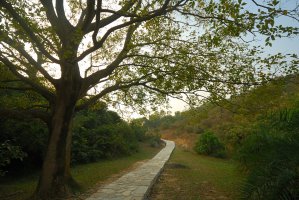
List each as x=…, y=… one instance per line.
x=9, y=152
x=30, y=136
x=189, y=128
x=102, y=134
x=270, y=157
x=198, y=129
x=154, y=140
x=139, y=132
x=209, y=144
x=102, y=143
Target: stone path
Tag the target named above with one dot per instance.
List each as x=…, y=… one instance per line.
x=136, y=185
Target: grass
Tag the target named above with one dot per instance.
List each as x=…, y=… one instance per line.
x=190, y=176
x=86, y=175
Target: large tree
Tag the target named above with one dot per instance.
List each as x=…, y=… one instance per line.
x=74, y=53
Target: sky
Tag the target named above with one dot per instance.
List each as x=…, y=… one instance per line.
x=282, y=45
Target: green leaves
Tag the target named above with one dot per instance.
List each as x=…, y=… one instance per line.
x=271, y=158
x=209, y=144
x=176, y=49
x=9, y=152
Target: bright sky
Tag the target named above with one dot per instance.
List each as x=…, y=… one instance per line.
x=283, y=45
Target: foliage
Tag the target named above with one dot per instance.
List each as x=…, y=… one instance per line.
x=9, y=152
x=30, y=136
x=259, y=127
x=232, y=120
x=138, y=129
x=270, y=156
x=154, y=138
x=145, y=54
x=209, y=144
x=97, y=134
x=100, y=134
x=161, y=120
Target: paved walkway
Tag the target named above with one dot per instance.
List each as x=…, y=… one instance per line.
x=136, y=185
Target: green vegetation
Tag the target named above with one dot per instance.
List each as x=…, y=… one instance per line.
x=191, y=176
x=87, y=175
x=97, y=134
x=103, y=140
x=209, y=144
x=270, y=157
x=100, y=134
x=258, y=128
x=9, y=152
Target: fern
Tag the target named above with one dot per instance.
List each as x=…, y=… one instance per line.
x=270, y=156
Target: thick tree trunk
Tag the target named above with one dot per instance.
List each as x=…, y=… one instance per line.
x=55, y=180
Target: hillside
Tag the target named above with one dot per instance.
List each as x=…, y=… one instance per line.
x=257, y=132
x=230, y=120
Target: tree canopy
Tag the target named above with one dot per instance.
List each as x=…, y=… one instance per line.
x=154, y=48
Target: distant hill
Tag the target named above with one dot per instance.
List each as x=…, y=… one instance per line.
x=230, y=120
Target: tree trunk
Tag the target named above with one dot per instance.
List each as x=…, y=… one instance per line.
x=55, y=180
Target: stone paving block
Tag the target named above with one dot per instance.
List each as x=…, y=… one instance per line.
x=136, y=185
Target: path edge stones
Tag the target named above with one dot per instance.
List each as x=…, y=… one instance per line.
x=150, y=187
x=137, y=184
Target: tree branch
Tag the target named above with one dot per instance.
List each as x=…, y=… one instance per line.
x=23, y=113
x=104, y=92
x=120, y=13
x=61, y=14
x=97, y=76
x=24, y=53
x=38, y=88
x=108, y=20
x=260, y=5
x=16, y=88
x=159, y=12
x=87, y=16
x=98, y=14
x=27, y=29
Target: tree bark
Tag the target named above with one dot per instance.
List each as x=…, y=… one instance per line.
x=55, y=180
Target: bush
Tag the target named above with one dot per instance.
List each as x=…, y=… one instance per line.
x=154, y=140
x=30, y=135
x=8, y=152
x=102, y=134
x=189, y=128
x=139, y=132
x=198, y=129
x=270, y=157
x=209, y=144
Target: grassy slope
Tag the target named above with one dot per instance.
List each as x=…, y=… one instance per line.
x=210, y=178
x=190, y=176
x=227, y=125
x=87, y=175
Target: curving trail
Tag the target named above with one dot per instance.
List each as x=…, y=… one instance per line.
x=136, y=184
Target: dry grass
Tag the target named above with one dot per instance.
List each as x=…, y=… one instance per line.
x=183, y=139
x=189, y=176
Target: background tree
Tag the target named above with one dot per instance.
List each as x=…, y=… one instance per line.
x=74, y=53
